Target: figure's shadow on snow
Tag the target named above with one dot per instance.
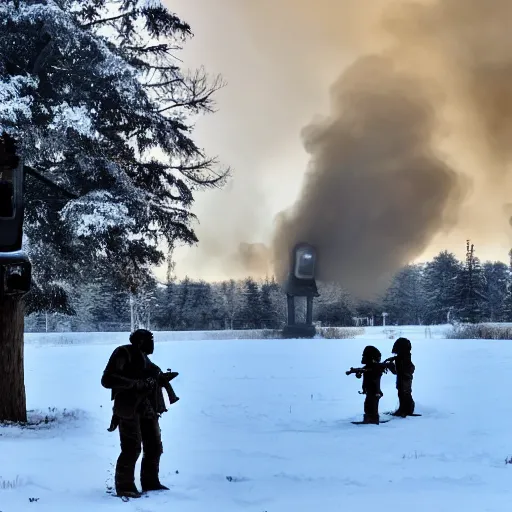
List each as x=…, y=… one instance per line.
x=43, y=421
x=315, y=427
x=322, y=426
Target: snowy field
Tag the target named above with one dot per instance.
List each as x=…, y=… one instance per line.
x=264, y=425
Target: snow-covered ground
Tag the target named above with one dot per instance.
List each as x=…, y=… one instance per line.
x=264, y=425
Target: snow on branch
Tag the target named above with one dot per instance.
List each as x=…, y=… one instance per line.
x=14, y=106
x=95, y=213
x=65, y=116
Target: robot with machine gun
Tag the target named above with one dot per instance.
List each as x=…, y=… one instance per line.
x=372, y=373
x=403, y=368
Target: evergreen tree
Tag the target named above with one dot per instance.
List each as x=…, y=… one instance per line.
x=496, y=276
x=103, y=113
x=269, y=313
x=120, y=312
x=370, y=309
x=252, y=313
x=470, y=298
x=404, y=300
x=200, y=313
x=333, y=307
x=90, y=307
x=165, y=311
x=507, y=302
x=440, y=287
x=181, y=303
x=232, y=296
x=279, y=303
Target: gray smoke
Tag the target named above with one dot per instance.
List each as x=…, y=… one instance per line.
x=378, y=188
x=423, y=111
x=375, y=192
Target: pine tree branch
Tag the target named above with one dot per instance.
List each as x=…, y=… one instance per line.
x=44, y=54
x=50, y=183
x=164, y=84
x=163, y=49
x=107, y=20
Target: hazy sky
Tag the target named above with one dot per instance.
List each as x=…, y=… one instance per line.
x=281, y=59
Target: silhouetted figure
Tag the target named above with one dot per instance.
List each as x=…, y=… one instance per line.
x=372, y=373
x=403, y=367
x=136, y=385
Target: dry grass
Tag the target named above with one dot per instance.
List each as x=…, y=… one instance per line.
x=340, y=333
x=480, y=332
x=11, y=484
x=39, y=419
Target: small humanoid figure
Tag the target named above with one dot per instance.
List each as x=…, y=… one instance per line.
x=372, y=373
x=403, y=367
x=136, y=385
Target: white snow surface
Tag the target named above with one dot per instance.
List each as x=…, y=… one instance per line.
x=264, y=425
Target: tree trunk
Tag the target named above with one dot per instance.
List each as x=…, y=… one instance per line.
x=132, y=313
x=12, y=383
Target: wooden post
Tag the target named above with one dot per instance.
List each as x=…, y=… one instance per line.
x=309, y=310
x=12, y=284
x=291, y=309
x=12, y=383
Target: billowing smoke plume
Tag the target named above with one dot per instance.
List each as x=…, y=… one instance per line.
x=423, y=110
x=375, y=192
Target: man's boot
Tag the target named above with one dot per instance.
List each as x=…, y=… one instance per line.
x=149, y=479
x=129, y=493
x=125, y=481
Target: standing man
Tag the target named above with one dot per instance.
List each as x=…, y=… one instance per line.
x=136, y=385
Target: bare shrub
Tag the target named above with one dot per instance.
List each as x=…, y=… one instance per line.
x=340, y=333
x=480, y=332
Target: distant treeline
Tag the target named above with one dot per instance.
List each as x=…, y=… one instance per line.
x=440, y=291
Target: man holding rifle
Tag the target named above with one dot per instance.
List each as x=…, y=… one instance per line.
x=136, y=385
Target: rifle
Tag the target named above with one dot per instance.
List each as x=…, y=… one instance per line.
x=164, y=380
x=358, y=371
x=155, y=377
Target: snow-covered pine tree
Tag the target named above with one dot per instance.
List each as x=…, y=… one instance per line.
x=103, y=112
x=182, y=303
x=470, y=298
x=507, y=303
x=142, y=304
x=496, y=276
x=440, y=287
x=279, y=303
x=404, y=300
x=90, y=306
x=270, y=318
x=199, y=314
x=252, y=314
x=218, y=321
x=334, y=306
x=232, y=295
